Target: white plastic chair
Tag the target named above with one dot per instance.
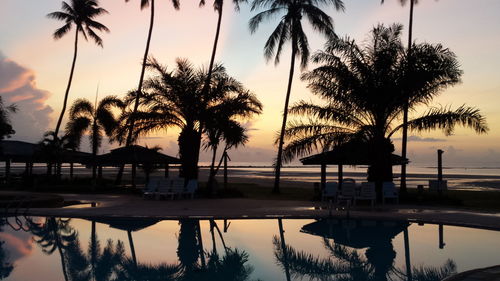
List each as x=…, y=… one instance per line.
x=151, y=187
x=367, y=192
x=389, y=191
x=347, y=192
x=330, y=191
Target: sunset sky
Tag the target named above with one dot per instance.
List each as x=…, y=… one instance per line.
x=34, y=68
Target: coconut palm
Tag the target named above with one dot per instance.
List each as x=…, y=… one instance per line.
x=97, y=120
x=5, y=125
x=290, y=29
x=365, y=89
x=144, y=4
x=218, y=7
x=81, y=14
x=224, y=122
x=52, y=149
x=404, y=140
x=176, y=99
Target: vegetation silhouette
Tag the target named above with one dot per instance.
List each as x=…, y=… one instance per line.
x=6, y=267
x=404, y=140
x=97, y=120
x=144, y=4
x=218, y=7
x=365, y=89
x=6, y=129
x=345, y=263
x=290, y=29
x=52, y=149
x=54, y=234
x=176, y=99
x=81, y=14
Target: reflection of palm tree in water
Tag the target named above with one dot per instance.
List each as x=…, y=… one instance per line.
x=54, y=234
x=230, y=266
x=6, y=267
x=348, y=264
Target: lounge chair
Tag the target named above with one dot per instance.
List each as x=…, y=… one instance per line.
x=367, y=192
x=347, y=192
x=151, y=188
x=191, y=188
x=177, y=187
x=330, y=191
x=389, y=191
x=165, y=189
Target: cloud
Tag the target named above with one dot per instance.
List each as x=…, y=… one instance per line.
x=420, y=139
x=18, y=85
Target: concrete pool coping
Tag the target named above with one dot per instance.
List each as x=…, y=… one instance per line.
x=127, y=206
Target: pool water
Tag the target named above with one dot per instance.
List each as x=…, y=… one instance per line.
x=39, y=248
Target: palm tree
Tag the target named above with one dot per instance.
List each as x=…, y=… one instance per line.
x=96, y=120
x=404, y=140
x=224, y=123
x=176, y=99
x=365, y=89
x=81, y=14
x=218, y=7
x=290, y=29
x=144, y=4
x=5, y=125
x=52, y=148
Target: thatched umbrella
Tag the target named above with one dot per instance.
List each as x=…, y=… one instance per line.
x=135, y=155
x=352, y=154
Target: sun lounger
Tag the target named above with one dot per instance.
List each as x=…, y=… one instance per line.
x=389, y=191
x=330, y=191
x=347, y=192
x=367, y=192
x=177, y=187
x=151, y=188
x=164, y=189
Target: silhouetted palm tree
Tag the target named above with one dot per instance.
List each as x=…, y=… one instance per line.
x=366, y=88
x=290, y=29
x=81, y=14
x=176, y=99
x=97, y=120
x=52, y=149
x=404, y=140
x=5, y=125
x=144, y=4
x=224, y=119
x=218, y=7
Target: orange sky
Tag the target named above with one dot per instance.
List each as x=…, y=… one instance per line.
x=26, y=40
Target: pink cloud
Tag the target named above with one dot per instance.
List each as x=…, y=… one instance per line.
x=18, y=85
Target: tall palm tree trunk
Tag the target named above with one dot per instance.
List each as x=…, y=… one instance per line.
x=94, y=151
x=277, y=175
x=141, y=78
x=214, y=50
x=63, y=110
x=211, y=176
x=130, y=134
x=405, y=110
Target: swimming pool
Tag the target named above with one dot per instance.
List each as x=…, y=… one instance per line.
x=39, y=248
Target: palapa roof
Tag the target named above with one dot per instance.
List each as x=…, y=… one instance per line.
x=354, y=233
x=22, y=152
x=135, y=154
x=348, y=154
